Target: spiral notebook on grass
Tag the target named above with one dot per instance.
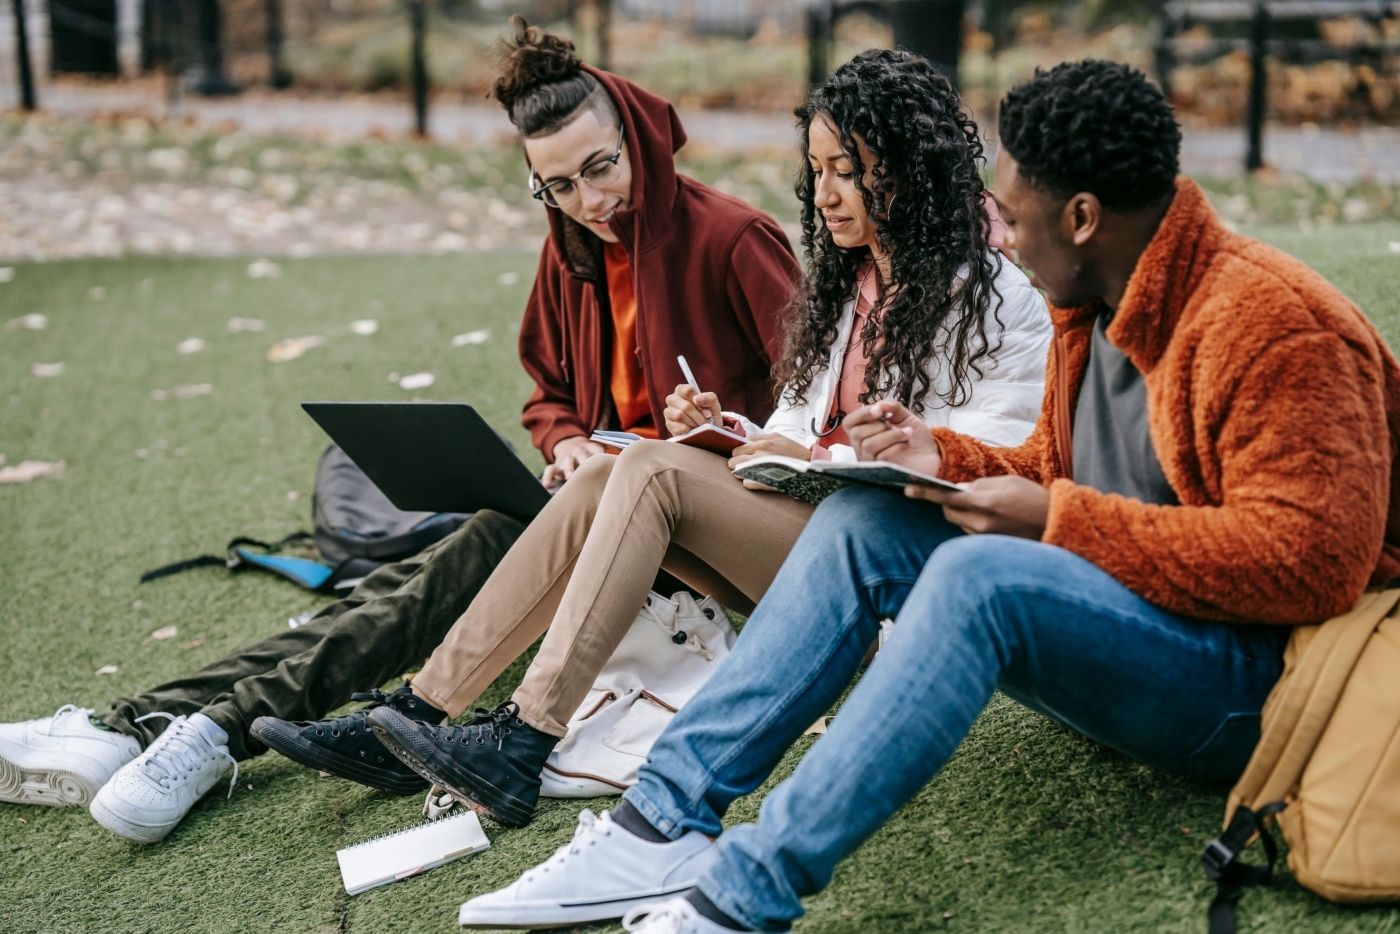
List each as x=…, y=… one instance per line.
x=408, y=852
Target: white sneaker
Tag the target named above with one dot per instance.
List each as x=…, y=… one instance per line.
x=59, y=760
x=602, y=873
x=149, y=796
x=676, y=916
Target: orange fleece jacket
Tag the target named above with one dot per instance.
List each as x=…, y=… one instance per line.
x=1274, y=408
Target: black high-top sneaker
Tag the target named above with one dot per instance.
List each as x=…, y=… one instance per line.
x=492, y=762
x=345, y=747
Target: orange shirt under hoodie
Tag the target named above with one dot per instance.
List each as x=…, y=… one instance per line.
x=628, y=382
x=1274, y=408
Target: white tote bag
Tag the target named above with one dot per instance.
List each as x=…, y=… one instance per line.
x=672, y=647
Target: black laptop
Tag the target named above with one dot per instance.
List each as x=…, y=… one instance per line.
x=432, y=456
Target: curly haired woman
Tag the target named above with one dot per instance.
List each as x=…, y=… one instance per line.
x=905, y=300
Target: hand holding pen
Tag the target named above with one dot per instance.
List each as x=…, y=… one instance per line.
x=689, y=407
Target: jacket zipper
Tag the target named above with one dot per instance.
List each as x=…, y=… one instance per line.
x=1063, y=422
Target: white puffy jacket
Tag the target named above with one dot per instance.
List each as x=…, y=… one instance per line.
x=1003, y=404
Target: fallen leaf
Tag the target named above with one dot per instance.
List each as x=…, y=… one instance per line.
x=46, y=370
x=25, y=471
x=191, y=345
x=816, y=729
x=1395, y=246
x=365, y=327
x=21, y=819
x=108, y=670
x=471, y=337
x=34, y=322
x=191, y=645
x=190, y=390
x=97, y=293
x=293, y=347
x=293, y=496
x=7, y=274
x=508, y=278
x=417, y=381
x=165, y=632
x=263, y=269
x=236, y=325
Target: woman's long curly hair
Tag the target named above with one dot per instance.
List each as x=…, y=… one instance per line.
x=926, y=149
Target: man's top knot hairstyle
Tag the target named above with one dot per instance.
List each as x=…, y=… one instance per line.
x=1093, y=126
x=542, y=85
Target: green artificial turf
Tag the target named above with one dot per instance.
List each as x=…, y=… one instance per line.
x=1029, y=828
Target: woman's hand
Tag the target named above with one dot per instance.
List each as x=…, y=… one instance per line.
x=766, y=444
x=887, y=431
x=762, y=445
x=687, y=409
x=568, y=455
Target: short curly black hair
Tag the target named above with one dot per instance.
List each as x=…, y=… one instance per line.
x=1093, y=126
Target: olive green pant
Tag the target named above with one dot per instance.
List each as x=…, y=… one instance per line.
x=388, y=624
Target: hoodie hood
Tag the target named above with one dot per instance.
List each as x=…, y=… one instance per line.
x=652, y=133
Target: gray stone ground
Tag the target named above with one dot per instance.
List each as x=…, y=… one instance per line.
x=210, y=182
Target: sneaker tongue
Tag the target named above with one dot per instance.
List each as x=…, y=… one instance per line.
x=209, y=729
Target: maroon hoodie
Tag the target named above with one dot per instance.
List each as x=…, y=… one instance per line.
x=712, y=276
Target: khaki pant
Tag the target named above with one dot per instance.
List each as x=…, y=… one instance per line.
x=584, y=565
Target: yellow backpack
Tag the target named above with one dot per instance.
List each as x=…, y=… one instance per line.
x=1327, y=767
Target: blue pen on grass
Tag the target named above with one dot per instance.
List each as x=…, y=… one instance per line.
x=690, y=378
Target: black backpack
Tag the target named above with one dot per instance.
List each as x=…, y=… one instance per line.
x=356, y=529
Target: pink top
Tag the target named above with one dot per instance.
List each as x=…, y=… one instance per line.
x=851, y=382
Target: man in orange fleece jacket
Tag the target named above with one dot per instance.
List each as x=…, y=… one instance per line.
x=1215, y=460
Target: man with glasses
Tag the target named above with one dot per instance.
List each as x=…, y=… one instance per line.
x=642, y=264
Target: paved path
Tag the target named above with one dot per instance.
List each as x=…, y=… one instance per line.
x=1325, y=155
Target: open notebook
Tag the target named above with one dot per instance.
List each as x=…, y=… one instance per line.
x=408, y=852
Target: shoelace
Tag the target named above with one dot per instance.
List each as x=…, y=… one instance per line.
x=65, y=709
x=355, y=720
x=181, y=748
x=484, y=724
x=588, y=823
x=676, y=916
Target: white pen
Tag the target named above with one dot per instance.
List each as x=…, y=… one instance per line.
x=690, y=377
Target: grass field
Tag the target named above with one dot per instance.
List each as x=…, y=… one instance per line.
x=1028, y=829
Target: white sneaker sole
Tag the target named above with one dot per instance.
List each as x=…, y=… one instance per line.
x=122, y=827
x=536, y=915
x=50, y=787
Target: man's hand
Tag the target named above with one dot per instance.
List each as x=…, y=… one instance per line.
x=887, y=431
x=1006, y=505
x=568, y=455
x=687, y=409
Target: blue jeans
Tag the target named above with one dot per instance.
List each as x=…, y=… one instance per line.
x=973, y=614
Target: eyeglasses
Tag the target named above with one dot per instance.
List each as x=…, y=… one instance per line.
x=564, y=191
